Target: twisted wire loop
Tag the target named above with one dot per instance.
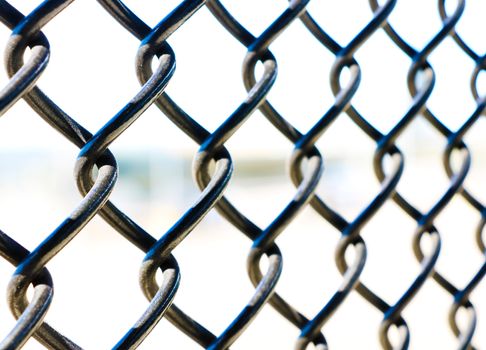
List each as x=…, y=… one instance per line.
x=305, y=149
x=15, y=253
x=211, y=145
x=93, y=152
x=31, y=268
x=386, y=145
x=456, y=140
x=306, y=167
x=455, y=143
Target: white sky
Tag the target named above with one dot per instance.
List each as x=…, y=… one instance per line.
x=92, y=75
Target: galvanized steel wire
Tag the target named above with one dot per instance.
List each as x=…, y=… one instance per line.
x=306, y=167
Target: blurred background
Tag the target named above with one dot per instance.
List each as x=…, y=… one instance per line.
x=97, y=298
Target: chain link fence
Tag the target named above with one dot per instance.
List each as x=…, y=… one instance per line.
x=30, y=290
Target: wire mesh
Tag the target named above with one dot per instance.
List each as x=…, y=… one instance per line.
x=96, y=173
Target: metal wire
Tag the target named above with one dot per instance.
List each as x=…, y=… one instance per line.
x=305, y=166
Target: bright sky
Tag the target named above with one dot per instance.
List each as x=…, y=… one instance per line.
x=91, y=73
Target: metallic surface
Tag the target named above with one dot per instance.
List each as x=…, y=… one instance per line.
x=306, y=168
